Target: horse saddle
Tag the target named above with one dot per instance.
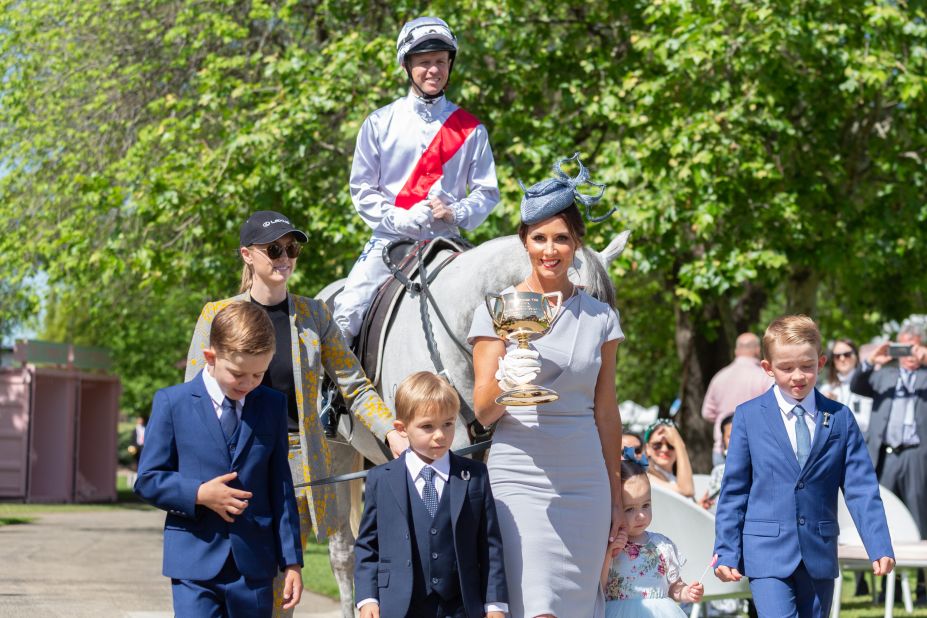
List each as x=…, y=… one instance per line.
x=403, y=257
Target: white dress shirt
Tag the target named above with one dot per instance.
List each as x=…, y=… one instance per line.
x=786, y=403
x=390, y=144
x=442, y=466
x=218, y=397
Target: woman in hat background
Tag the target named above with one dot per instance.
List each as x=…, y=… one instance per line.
x=422, y=166
x=308, y=343
x=554, y=467
x=669, y=458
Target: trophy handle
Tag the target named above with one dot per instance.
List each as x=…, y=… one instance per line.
x=491, y=307
x=552, y=310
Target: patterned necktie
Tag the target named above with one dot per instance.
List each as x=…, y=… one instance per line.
x=228, y=419
x=802, y=436
x=429, y=493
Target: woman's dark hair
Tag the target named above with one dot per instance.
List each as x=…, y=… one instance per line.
x=725, y=422
x=831, y=367
x=630, y=469
x=634, y=435
x=574, y=222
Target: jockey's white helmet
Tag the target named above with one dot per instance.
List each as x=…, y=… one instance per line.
x=425, y=34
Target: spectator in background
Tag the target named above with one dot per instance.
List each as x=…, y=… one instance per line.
x=897, y=437
x=740, y=381
x=843, y=358
x=138, y=439
x=717, y=473
x=668, y=457
x=633, y=441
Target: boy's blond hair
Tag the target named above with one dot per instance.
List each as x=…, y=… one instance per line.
x=424, y=392
x=791, y=329
x=242, y=328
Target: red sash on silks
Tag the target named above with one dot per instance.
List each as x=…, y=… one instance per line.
x=430, y=167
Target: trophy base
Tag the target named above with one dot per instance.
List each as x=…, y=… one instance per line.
x=528, y=395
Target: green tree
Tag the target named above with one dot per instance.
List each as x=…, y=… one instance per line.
x=767, y=157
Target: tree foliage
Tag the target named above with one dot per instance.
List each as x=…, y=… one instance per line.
x=768, y=157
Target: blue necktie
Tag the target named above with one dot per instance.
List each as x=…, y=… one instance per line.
x=228, y=419
x=802, y=436
x=429, y=492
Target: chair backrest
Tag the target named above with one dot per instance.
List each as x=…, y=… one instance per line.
x=901, y=524
x=692, y=528
x=700, y=481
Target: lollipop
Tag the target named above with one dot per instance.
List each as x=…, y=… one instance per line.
x=711, y=565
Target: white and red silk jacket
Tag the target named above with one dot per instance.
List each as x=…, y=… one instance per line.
x=410, y=151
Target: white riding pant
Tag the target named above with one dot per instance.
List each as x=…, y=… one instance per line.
x=368, y=273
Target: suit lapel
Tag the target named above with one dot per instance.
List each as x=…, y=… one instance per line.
x=250, y=416
x=457, y=486
x=206, y=411
x=821, y=432
x=773, y=418
x=397, y=473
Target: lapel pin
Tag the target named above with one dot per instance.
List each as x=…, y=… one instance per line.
x=826, y=421
x=465, y=475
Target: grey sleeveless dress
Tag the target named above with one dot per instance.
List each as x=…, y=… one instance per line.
x=547, y=472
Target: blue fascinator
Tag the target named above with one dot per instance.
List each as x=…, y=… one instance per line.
x=630, y=455
x=554, y=195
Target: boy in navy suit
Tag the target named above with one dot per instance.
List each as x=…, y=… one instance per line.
x=791, y=450
x=429, y=544
x=215, y=459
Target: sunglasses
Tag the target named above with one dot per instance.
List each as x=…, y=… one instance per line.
x=659, y=446
x=839, y=355
x=275, y=251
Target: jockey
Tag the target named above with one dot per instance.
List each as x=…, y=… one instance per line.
x=422, y=166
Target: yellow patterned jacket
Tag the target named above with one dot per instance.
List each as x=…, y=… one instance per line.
x=317, y=343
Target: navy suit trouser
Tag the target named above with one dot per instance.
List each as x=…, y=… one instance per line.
x=228, y=595
x=796, y=596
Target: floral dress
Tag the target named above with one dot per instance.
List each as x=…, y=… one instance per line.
x=639, y=580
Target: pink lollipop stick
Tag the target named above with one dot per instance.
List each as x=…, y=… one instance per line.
x=714, y=561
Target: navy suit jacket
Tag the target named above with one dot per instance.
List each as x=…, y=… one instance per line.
x=383, y=551
x=185, y=447
x=772, y=514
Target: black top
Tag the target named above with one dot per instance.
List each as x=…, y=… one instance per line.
x=279, y=375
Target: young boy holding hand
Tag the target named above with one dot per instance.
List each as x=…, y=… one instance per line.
x=429, y=543
x=791, y=450
x=215, y=459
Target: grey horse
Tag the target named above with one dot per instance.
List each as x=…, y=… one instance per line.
x=458, y=291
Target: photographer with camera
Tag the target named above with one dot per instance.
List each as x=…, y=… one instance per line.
x=895, y=377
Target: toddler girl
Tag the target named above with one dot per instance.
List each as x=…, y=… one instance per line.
x=640, y=576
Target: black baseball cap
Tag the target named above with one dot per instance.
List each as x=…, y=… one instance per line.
x=266, y=226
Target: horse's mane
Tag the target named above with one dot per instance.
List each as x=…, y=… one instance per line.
x=598, y=284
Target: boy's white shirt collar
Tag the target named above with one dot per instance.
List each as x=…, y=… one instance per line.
x=217, y=396
x=442, y=465
x=787, y=402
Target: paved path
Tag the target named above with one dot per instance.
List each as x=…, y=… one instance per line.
x=97, y=564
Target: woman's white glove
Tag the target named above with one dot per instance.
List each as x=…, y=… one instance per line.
x=518, y=367
x=410, y=221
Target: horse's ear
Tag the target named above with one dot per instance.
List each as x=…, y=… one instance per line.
x=615, y=247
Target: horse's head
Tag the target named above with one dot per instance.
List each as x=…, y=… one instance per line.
x=592, y=266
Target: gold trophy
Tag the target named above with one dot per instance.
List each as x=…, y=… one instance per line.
x=524, y=316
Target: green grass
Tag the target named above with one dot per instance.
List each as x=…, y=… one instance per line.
x=12, y=513
x=317, y=572
x=862, y=607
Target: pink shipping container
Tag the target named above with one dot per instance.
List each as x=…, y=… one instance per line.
x=58, y=426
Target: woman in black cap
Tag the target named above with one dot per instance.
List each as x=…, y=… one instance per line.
x=554, y=466
x=308, y=343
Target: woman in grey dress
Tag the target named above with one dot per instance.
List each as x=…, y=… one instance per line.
x=554, y=467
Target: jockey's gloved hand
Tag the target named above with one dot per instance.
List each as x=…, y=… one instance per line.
x=410, y=221
x=517, y=367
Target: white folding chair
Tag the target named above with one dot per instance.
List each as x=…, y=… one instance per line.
x=910, y=550
x=692, y=528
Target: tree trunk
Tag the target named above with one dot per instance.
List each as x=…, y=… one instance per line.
x=801, y=291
